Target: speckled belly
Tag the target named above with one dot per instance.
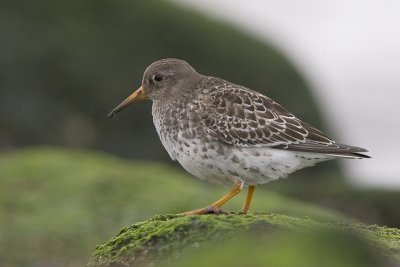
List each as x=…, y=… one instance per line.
x=224, y=164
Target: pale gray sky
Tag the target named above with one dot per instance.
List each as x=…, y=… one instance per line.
x=349, y=51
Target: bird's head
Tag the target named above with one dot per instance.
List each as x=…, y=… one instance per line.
x=162, y=79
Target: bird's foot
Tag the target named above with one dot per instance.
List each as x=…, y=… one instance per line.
x=207, y=210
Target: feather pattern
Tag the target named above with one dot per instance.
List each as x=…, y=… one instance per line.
x=242, y=117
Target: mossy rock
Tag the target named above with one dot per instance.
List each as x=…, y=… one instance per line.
x=225, y=240
x=57, y=204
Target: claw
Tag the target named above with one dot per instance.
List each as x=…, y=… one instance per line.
x=207, y=210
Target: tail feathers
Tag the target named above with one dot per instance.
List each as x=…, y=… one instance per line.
x=353, y=152
x=332, y=149
x=353, y=155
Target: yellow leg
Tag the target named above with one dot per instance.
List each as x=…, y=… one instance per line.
x=214, y=207
x=249, y=197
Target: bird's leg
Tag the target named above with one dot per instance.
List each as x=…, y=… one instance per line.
x=214, y=207
x=249, y=197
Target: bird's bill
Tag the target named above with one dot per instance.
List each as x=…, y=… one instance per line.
x=135, y=97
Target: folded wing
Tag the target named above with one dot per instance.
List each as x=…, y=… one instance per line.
x=241, y=117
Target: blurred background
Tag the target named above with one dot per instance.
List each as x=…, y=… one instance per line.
x=70, y=178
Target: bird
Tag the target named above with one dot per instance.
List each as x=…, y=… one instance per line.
x=228, y=134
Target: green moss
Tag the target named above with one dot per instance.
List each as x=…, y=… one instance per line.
x=57, y=204
x=165, y=238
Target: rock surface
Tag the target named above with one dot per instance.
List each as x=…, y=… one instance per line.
x=178, y=240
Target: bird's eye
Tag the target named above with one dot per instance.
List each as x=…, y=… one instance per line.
x=158, y=78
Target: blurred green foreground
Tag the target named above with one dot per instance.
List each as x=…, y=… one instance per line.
x=56, y=205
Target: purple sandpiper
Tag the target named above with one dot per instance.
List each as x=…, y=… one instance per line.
x=228, y=134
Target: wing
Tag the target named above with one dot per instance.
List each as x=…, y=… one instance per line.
x=241, y=117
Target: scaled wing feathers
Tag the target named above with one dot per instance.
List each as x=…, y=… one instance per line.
x=242, y=117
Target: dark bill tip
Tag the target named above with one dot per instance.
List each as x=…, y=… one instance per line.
x=111, y=115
